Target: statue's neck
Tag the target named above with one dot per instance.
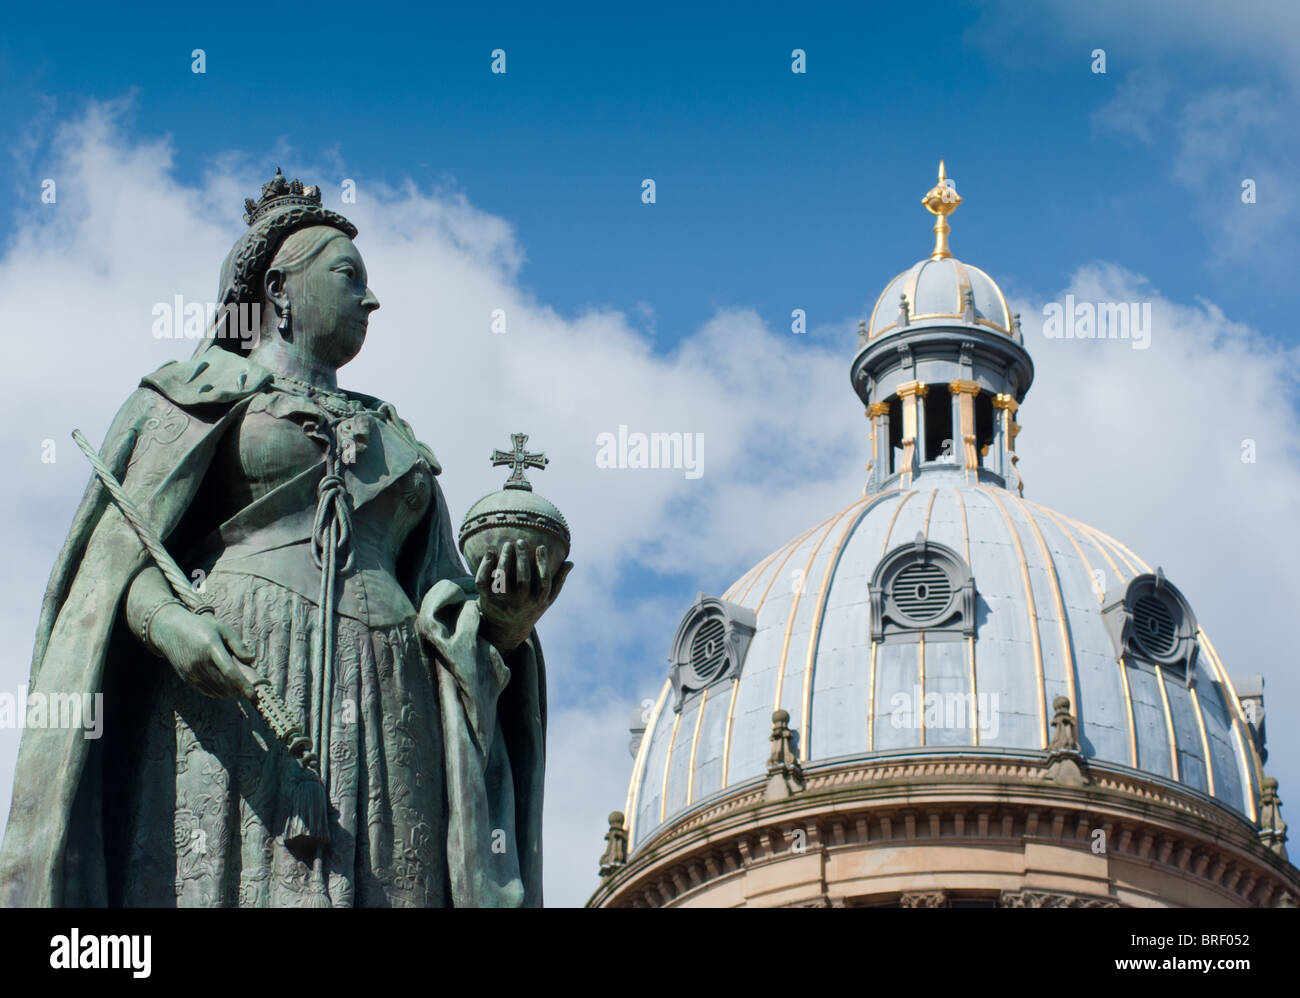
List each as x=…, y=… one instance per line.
x=279, y=356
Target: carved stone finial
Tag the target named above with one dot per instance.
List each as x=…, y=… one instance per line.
x=1065, y=762
x=784, y=777
x=1063, y=733
x=903, y=318
x=615, y=855
x=968, y=307
x=1272, y=829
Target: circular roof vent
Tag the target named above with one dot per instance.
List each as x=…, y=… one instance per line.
x=708, y=648
x=1155, y=629
x=922, y=590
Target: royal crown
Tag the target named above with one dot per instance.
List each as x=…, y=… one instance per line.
x=278, y=193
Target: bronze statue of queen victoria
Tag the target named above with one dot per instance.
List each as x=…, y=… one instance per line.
x=326, y=582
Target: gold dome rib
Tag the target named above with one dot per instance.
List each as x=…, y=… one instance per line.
x=805, y=709
x=914, y=279
x=695, y=745
x=668, y=765
x=1125, y=548
x=884, y=548
x=1125, y=556
x=726, y=734
x=1205, y=740
x=929, y=508
x=642, y=758
x=794, y=606
x=1254, y=769
x=963, y=284
x=970, y=641
x=1063, y=624
x=920, y=643
x=871, y=688
x=872, y=321
x=1123, y=675
x=871, y=700
x=1006, y=308
x=753, y=569
x=1033, y=613
x=757, y=571
x=751, y=577
x=638, y=769
x=1074, y=532
x=1174, y=766
x=789, y=550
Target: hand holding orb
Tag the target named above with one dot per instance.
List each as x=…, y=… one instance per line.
x=513, y=540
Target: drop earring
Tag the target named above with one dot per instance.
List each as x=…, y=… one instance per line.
x=285, y=320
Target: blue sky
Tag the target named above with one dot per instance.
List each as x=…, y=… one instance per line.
x=775, y=191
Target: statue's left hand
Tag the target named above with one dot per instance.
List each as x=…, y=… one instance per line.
x=515, y=587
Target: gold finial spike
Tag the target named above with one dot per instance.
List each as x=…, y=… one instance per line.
x=941, y=201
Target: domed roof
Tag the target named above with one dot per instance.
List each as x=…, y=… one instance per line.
x=935, y=291
x=942, y=613
x=1044, y=586
x=941, y=290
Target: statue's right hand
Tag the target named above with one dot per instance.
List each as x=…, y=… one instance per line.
x=203, y=650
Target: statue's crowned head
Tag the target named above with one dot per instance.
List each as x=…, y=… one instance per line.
x=277, y=238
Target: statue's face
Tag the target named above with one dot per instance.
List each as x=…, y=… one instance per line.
x=331, y=302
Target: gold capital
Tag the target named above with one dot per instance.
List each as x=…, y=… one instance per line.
x=960, y=387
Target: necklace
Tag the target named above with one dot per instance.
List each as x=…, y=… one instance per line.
x=330, y=399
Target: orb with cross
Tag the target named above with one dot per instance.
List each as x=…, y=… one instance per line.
x=515, y=512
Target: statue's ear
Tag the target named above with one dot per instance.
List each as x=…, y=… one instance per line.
x=274, y=286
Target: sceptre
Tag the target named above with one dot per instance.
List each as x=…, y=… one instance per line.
x=307, y=825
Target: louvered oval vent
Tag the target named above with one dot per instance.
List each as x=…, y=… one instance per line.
x=1154, y=626
x=709, y=646
x=922, y=591
x=708, y=650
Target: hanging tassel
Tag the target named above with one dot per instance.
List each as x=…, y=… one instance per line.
x=308, y=824
x=319, y=898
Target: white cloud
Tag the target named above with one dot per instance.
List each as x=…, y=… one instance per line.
x=82, y=276
x=1225, y=137
x=1140, y=97
x=1147, y=445
x=1212, y=90
x=1218, y=141
x=1143, y=444
x=586, y=778
x=1252, y=33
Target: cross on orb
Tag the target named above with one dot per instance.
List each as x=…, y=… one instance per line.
x=519, y=459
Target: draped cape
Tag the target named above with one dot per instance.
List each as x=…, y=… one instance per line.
x=159, y=447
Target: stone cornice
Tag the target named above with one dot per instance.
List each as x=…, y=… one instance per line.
x=991, y=796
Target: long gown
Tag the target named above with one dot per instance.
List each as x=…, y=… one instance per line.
x=199, y=797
